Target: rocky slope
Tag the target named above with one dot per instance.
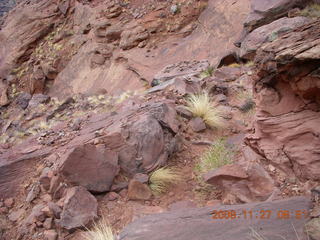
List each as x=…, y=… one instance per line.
x=93, y=97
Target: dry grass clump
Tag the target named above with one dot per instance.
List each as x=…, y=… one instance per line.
x=100, y=231
x=312, y=10
x=162, y=178
x=234, y=65
x=218, y=155
x=201, y=105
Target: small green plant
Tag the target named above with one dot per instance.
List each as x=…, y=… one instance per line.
x=217, y=156
x=247, y=99
x=162, y=178
x=312, y=10
x=100, y=231
x=201, y=105
x=207, y=72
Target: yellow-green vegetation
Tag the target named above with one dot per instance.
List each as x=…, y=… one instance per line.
x=235, y=65
x=201, y=105
x=207, y=72
x=249, y=64
x=97, y=100
x=312, y=10
x=162, y=178
x=123, y=97
x=4, y=138
x=247, y=99
x=218, y=155
x=100, y=231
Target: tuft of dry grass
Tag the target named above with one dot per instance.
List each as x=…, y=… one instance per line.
x=234, y=65
x=100, y=231
x=201, y=105
x=216, y=156
x=162, y=178
x=312, y=10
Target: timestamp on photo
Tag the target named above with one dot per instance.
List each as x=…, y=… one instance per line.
x=247, y=214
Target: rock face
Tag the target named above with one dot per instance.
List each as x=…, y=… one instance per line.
x=80, y=208
x=16, y=42
x=287, y=94
x=88, y=167
x=195, y=224
x=268, y=33
x=139, y=137
x=266, y=11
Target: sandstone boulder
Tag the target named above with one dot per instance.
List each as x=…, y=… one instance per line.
x=79, y=210
x=268, y=33
x=90, y=167
x=264, y=12
x=248, y=184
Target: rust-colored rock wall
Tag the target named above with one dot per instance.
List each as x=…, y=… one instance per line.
x=287, y=92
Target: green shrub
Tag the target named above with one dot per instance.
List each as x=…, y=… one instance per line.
x=218, y=155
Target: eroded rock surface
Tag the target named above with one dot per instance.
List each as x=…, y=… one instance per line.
x=195, y=224
x=287, y=92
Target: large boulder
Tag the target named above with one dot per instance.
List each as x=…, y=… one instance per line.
x=90, y=167
x=248, y=184
x=287, y=94
x=268, y=33
x=80, y=208
x=266, y=11
x=268, y=220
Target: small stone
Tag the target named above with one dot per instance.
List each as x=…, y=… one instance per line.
x=4, y=210
x=123, y=193
x=197, y=124
x=138, y=191
x=16, y=215
x=119, y=186
x=46, y=197
x=111, y=196
x=47, y=224
x=212, y=203
x=183, y=112
x=141, y=177
x=272, y=168
x=33, y=193
x=55, y=209
x=220, y=98
x=9, y=202
x=50, y=235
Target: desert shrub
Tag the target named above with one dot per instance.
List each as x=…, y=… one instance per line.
x=162, y=178
x=312, y=10
x=218, y=155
